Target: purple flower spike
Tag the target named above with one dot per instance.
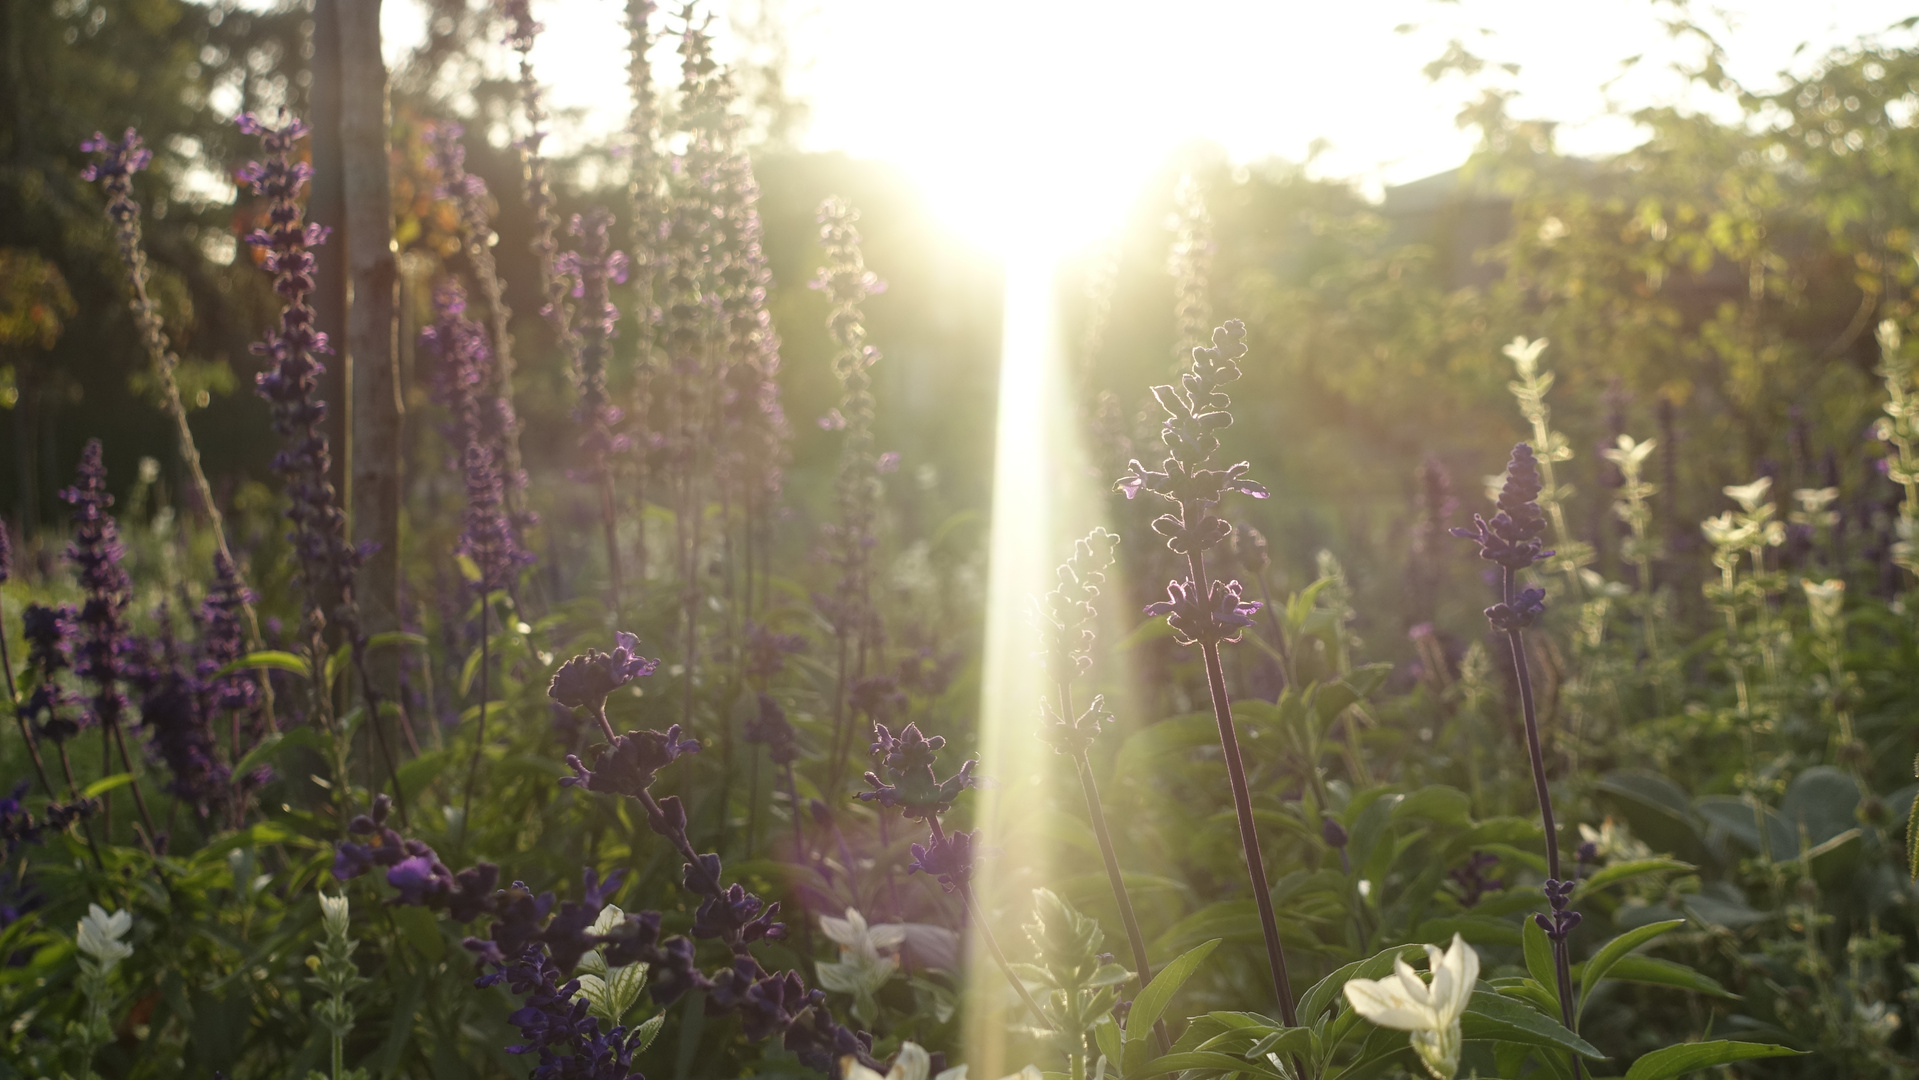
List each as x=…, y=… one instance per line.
x=948, y=858
x=1512, y=538
x=629, y=764
x=585, y=681
x=1218, y=618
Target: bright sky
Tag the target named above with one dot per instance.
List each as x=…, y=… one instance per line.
x=1057, y=110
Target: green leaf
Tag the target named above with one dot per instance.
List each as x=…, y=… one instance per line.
x=1502, y=1019
x=421, y=930
x=105, y=784
x=1615, y=950
x=1539, y=957
x=1326, y=992
x=1687, y=1057
x=1654, y=971
x=1111, y=1042
x=1152, y=1001
x=270, y=658
x=1626, y=871
x=390, y=639
x=1202, y=1059
x=650, y=1030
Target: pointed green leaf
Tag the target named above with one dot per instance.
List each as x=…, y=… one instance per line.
x=1153, y=1000
x=1111, y=1042
x=1688, y=1057
x=1613, y=951
x=1539, y=956
x=650, y=1030
x=270, y=658
x=1626, y=871
x=1502, y=1019
x=1653, y=971
x=1205, y=1060
x=105, y=784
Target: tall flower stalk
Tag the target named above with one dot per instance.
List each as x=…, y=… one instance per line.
x=114, y=166
x=847, y=283
x=646, y=223
x=1512, y=541
x=291, y=385
x=1066, y=628
x=522, y=32
x=105, y=645
x=594, y=268
x=1202, y=611
x=1530, y=391
x=468, y=193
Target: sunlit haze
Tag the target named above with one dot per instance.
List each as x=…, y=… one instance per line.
x=1048, y=115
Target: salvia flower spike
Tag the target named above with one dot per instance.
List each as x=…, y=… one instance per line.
x=1511, y=540
x=1201, y=611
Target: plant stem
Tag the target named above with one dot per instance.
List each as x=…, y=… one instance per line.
x=1522, y=671
x=1096, y=813
x=970, y=905
x=1243, y=809
x=13, y=698
x=479, y=738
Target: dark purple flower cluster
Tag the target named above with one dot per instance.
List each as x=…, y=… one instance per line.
x=731, y=914
x=766, y=651
x=555, y=1025
x=1475, y=879
x=1562, y=920
x=1218, y=618
x=223, y=641
x=770, y=726
x=48, y=632
x=412, y=868
x=947, y=857
x=1196, y=411
x=114, y=167
x=176, y=713
x=291, y=382
x=1513, y=538
x=18, y=826
x=910, y=785
x=628, y=764
x=593, y=269
x=585, y=681
x=877, y=698
x=95, y=554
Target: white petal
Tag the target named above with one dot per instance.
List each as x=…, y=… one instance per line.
x=957, y=1072
x=1411, y=984
x=913, y=1063
x=610, y=917
x=886, y=935
x=1384, y=1003
x=1462, y=962
x=851, y=1069
x=840, y=930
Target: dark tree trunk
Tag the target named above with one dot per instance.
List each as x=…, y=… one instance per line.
x=326, y=204
x=373, y=458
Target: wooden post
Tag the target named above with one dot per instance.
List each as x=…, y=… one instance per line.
x=373, y=453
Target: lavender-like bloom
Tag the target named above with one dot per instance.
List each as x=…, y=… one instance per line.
x=1473, y=879
x=291, y=382
x=1200, y=610
x=630, y=762
x=584, y=681
x=522, y=31
x=766, y=651
x=115, y=163
x=908, y=760
x=592, y=269
x=48, y=632
x=556, y=1025
x=495, y=393
x=947, y=857
x=18, y=826
x=1511, y=540
x=770, y=726
x=95, y=554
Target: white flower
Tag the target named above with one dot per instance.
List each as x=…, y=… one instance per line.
x=1827, y=600
x=1628, y=454
x=1431, y=1013
x=333, y=914
x=912, y=1063
x=1525, y=354
x=855, y=936
x=1749, y=496
x=99, y=935
x=610, y=992
x=862, y=967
